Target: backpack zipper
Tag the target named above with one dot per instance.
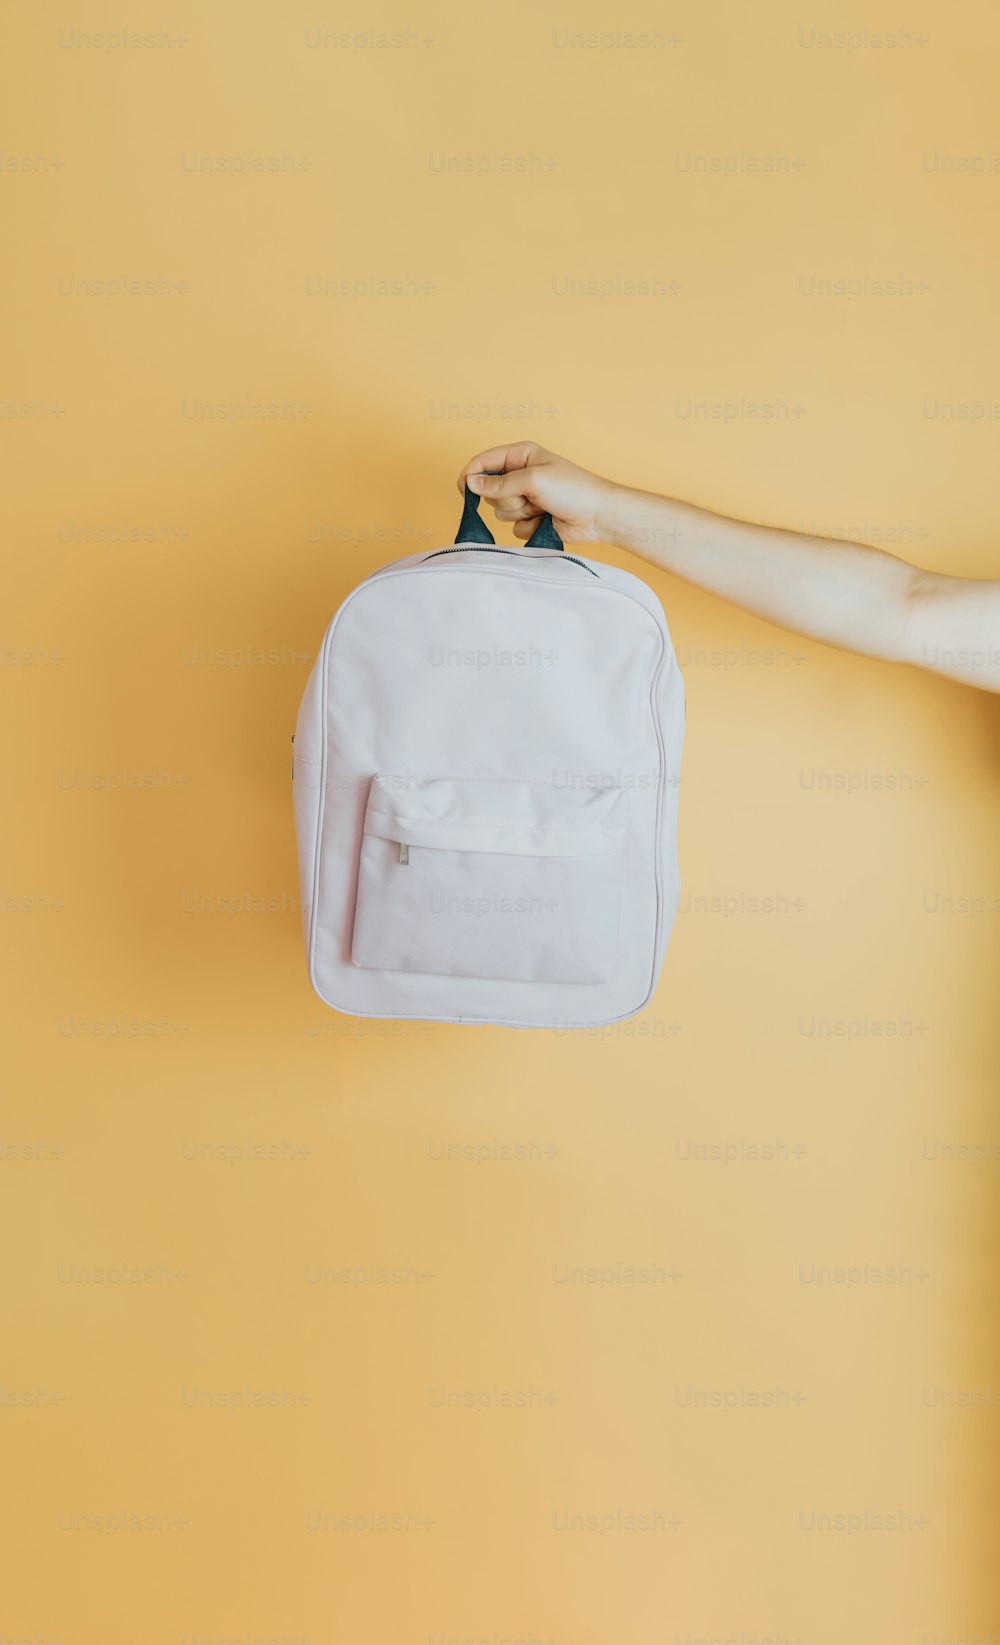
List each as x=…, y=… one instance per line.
x=472, y=548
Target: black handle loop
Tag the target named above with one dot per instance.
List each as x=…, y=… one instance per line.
x=544, y=535
x=472, y=528
x=475, y=530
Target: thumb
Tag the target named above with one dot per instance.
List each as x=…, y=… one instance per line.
x=518, y=482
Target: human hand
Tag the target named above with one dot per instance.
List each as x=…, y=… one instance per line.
x=523, y=482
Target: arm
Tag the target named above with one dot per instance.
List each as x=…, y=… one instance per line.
x=845, y=594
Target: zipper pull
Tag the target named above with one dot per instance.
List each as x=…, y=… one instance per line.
x=404, y=854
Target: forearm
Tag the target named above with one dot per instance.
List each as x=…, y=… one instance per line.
x=846, y=594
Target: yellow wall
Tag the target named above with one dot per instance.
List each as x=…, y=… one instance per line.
x=579, y=163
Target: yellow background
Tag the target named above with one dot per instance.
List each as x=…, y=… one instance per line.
x=169, y=576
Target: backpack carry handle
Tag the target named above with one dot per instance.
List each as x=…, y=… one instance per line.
x=474, y=530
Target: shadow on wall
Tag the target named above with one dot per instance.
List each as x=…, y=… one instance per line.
x=982, y=1320
x=988, y=703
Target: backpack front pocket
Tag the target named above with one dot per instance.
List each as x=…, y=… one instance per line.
x=511, y=880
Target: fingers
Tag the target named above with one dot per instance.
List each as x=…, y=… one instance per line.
x=525, y=528
x=513, y=496
x=512, y=505
x=499, y=460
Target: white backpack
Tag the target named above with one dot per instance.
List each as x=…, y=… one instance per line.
x=485, y=777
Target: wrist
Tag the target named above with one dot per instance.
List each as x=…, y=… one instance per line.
x=620, y=514
x=611, y=512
